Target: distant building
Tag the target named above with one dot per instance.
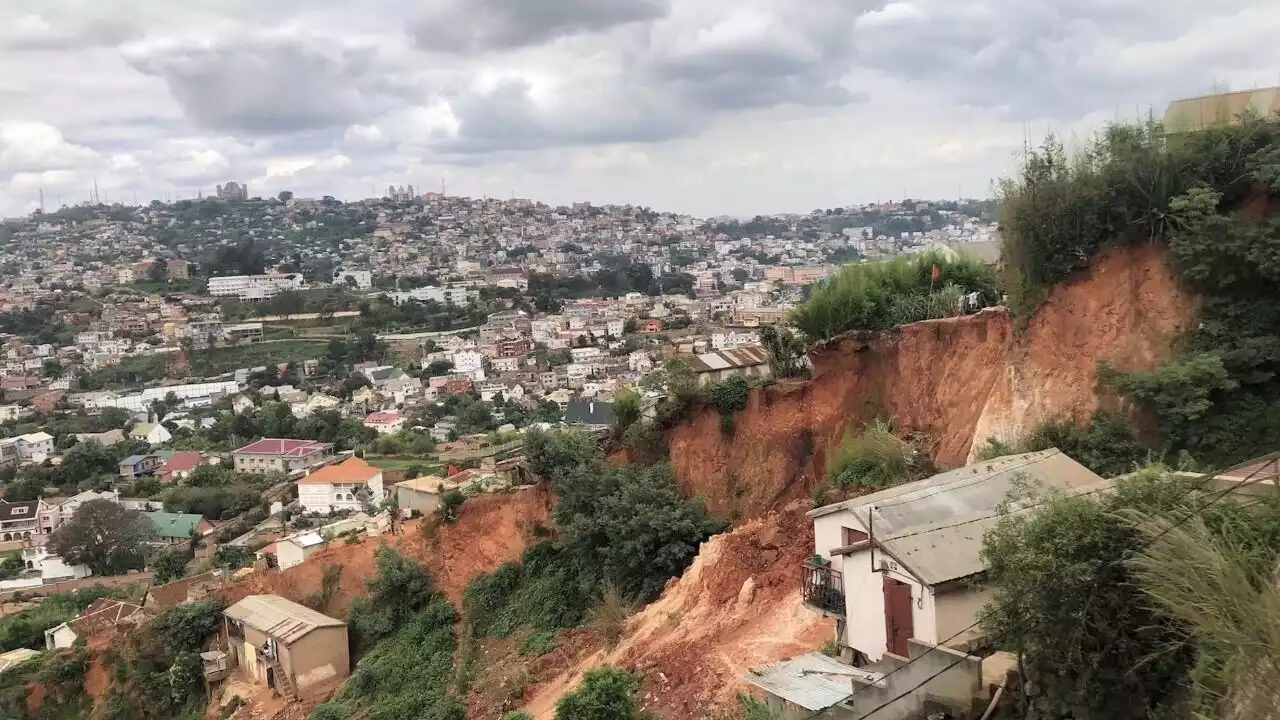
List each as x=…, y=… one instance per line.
x=386, y=422
x=136, y=466
x=178, y=528
x=591, y=413
x=280, y=455
x=344, y=486
x=233, y=192
x=254, y=287
x=103, y=615
x=747, y=362
x=1198, y=113
x=363, y=279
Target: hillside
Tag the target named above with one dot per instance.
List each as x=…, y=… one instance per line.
x=952, y=383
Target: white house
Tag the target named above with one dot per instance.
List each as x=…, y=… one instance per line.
x=34, y=447
x=153, y=433
x=385, y=422
x=905, y=563
x=347, y=485
x=295, y=549
x=469, y=362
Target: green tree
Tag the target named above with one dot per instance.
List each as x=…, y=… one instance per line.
x=626, y=410
x=170, y=564
x=105, y=536
x=606, y=693
x=1065, y=600
x=437, y=368
x=399, y=588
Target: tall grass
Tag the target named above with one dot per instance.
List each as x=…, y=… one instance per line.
x=1210, y=582
x=874, y=457
x=881, y=295
x=608, y=616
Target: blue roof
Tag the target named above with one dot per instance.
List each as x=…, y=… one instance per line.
x=133, y=460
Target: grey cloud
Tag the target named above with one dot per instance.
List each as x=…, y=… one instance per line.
x=1048, y=59
x=269, y=85
x=507, y=118
x=466, y=26
x=673, y=82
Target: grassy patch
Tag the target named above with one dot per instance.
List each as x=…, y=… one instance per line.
x=220, y=360
x=426, y=465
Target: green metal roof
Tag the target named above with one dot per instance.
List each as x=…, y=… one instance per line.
x=174, y=525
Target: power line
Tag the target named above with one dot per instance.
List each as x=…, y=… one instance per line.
x=1246, y=482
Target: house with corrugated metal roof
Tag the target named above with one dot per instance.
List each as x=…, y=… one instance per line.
x=751, y=361
x=906, y=563
x=284, y=645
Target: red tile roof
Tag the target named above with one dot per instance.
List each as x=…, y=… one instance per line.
x=351, y=470
x=384, y=417
x=182, y=462
x=284, y=446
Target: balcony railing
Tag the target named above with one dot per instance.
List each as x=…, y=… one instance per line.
x=823, y=588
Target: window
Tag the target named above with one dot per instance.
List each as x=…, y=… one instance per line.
x=850, y=536
x=18, y=511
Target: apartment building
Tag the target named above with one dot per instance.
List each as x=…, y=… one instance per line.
x=280, y=455
x=254, y=287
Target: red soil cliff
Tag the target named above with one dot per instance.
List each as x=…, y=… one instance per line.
x=953, y=382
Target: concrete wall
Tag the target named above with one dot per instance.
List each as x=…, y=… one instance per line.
x=410, y=499
x=318, y=656
x=957, y=685
x=957, y=608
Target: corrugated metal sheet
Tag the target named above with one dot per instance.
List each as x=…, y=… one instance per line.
x=934, y=527
x=747, y=356
x=814, y=681
x=282, y=619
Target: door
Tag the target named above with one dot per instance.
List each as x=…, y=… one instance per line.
x=898, y=624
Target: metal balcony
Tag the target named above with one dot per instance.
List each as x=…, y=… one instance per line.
x=823, y=588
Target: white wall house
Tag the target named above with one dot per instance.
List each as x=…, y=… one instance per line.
x=905, y=563
x=347, y=485
x=35, y=447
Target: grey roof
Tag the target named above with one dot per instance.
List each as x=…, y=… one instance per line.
x=934, y=527
x=589, y=412
x=282, y=619
x=814, y=681
x=741, y=357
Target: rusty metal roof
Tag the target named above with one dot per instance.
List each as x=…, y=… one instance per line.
x=813, y=681
x=746, y=356
x=276, y=617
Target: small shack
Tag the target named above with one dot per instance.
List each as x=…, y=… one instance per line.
x=284, y=645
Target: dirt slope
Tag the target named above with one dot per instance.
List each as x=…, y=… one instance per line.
x=490, y=530
x=954, y=382
x=737, y=606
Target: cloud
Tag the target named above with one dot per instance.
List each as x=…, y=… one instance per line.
x=894, y=13
x=271, y=83
x=34, y=146
x=471, y=26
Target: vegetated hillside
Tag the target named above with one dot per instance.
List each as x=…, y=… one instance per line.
x=490, y=530
x=952, y=383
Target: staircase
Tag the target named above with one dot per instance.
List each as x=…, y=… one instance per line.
x=283, y=682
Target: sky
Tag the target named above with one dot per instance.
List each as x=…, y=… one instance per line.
x=710, y=107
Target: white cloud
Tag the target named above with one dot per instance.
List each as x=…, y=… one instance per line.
x=895, y=13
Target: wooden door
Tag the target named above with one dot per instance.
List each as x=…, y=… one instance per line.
x=898, y=623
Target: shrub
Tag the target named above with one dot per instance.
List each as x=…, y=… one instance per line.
x=1105, y=445
x=406, y=677
x=873, y=457
x=451, y=504
x=606, y=693
x=881, y=295
x=399, y=589
x=329, y=711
